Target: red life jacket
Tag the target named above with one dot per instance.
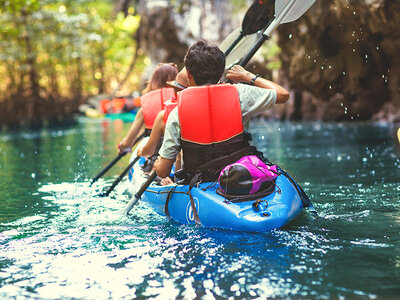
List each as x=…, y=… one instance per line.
x=169, y=105
x=153, y=102
x=211, y=126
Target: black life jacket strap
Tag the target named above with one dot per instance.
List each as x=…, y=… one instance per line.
x=147, y=132
x=196, y=178
x=166, y=211
x=195, y=155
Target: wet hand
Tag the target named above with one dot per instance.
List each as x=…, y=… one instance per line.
x=123, y=147
x=239, y=74
x=166, y=181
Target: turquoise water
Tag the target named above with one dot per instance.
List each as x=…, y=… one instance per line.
x=57, y=240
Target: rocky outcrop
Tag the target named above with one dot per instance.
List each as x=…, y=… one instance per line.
x=166, y=31
x=341, y=61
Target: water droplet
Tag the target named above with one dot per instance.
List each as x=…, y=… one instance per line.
x=68, y=147
x=33, y=175
x=290, y=36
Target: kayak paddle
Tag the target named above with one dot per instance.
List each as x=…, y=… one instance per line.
x=256, y=18
x=286, y=11
x=139, y=193
x=120, y=177
x=114, y=161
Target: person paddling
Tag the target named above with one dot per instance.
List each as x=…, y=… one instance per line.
x=159, y=123
x=150, y=149
x=208, y=124
x=152, y=102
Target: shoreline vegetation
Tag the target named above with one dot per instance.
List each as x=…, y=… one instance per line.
x=56, y=54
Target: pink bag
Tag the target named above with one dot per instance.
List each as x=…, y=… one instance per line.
x=248, y=175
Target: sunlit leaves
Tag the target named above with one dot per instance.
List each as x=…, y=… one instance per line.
x=69, y=41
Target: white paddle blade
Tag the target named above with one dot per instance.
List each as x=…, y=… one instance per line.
x=296, y=9
x=228, y=41
x=241, y=49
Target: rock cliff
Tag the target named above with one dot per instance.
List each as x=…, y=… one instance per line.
x=341, y=61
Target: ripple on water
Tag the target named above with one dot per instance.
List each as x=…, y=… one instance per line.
x=75, y=245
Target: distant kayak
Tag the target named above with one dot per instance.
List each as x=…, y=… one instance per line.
x=126, y=117
x=272, y=209
x=124, y=109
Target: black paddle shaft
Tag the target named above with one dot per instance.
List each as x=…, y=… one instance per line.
x=126, y=170
x=139, y=193
x=114, y=161
x=108, y=167
x=253, y=50
x=229, y=50
x=145, y=185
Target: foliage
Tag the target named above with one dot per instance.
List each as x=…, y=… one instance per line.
x=270, y=51
x=64, y=49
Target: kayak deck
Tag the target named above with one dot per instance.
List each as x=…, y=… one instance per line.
x=273, y=211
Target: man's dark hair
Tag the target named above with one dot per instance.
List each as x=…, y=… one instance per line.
x=205, y=62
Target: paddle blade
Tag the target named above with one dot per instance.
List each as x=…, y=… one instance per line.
x=241, y=49
x=227, y=42
x=130, y=205
x=297, y=9
x=257, y=16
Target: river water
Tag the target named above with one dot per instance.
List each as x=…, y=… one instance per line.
x=58, y=240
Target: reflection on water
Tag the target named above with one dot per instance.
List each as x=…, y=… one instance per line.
x=58, y=239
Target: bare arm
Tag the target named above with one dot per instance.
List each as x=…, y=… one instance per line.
x=239, y=74
x=163, y=166
x=155, y=137
x=137, y=126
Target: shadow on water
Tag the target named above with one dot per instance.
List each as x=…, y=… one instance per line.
x=58, y=240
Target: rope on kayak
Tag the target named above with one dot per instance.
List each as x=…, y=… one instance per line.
x=166, y=192
x=213, y=183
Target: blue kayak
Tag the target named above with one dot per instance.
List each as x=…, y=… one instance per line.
x=273, y=211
